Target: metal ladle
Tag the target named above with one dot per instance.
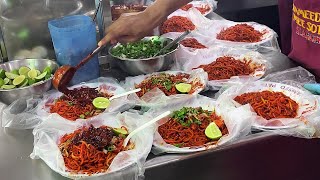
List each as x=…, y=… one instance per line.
x=65, y=73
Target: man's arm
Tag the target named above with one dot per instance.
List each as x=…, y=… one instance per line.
x=136, y=26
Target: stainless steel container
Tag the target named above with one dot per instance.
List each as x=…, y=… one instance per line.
x=149, y=65
x=8, y=96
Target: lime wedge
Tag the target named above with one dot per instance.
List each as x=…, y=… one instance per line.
x=24, y=70
x=183, y=87
x=120, y=131
x=47, y=69
x=18, y=80
x=8, y=86
x=38, y=72
x=7, y=81
x=24, y=84
x=11, y=75
x=1, y=82
x=31, y=81
x=32, y=73
x=213, y=132
x=15, y=71
x=101, y=102
x=41, y=76
x=2, y=73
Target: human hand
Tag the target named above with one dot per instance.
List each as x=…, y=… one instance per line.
x=130, y=27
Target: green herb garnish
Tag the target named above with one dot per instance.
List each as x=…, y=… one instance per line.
x=138, y=50
x=82, y=116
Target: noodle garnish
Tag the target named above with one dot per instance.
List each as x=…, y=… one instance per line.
x=166, y=83
x=78, y=103
x=186, y=127
x=91, y=150
x=269, y=105
x=226, y=67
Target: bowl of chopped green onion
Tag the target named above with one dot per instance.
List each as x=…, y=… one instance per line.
x=138, y=57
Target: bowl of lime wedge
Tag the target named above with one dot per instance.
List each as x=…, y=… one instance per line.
x=22, y=78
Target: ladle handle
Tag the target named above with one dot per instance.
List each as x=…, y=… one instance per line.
x=124, y=94
x=134, y=132
x=90, y=56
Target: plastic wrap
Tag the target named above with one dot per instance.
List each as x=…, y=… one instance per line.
x=28, y=112
x=187, y=60
x=156, y=97
x=303, y=125
x=297, y=76
x=238, y=122
x=48, y=134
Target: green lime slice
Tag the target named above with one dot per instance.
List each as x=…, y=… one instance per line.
x=31, y=81
x=38, y=72
x=120, y=131
x=47, y=69
x=24, y=84
x=8, y=86
x=7, y=81
x=15, y=71
x=41, y=76
x=2, y=73
x=32, y=73
x=183, y=87
x=18, y=80
x=11, y=75
x=1, y=82
x=101, y=102
x=213, y=132
x=24, y=70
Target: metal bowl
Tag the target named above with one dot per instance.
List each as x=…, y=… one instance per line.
x=149, y=65
x=8, y=96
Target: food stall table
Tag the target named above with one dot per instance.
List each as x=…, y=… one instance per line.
x=261, y=155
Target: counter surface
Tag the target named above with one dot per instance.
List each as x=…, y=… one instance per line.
x=16, y=146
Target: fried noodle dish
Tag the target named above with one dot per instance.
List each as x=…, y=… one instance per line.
x=176, y=24
x=240, y=33
x=78, y=103
x=192, y=43
x=226, y=67
x=186, y=127
x=269, y=105
x=203, y=9
x=166, y=83
x=91, y=150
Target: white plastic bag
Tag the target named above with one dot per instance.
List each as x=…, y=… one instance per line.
x=238, y=122
x=28, y=112
x=297, y=76
x=307, y=115
x=48, y=134
x=156, y=97
x=187, y=61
